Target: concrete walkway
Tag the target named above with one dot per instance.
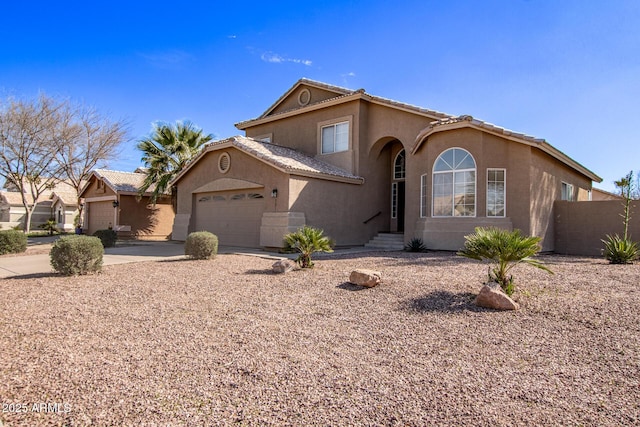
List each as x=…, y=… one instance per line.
x=127, y=252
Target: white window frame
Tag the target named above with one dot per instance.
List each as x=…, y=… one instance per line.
x=453, y=185
x=403, y=172
x=394, y=200
x=336, y=122
x=267, y=137
x=570, y=189
x=423, y=196
x=504, y=193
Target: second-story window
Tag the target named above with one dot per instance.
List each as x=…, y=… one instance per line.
x=335, y=138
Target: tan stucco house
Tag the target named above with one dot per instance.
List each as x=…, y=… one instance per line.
x=357, y=165
x=59, y=202
x=111, y=200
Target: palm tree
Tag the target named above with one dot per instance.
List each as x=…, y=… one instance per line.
x=506, y=248
x=308, y=240
x=167, y=151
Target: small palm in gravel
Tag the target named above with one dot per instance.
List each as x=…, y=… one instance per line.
x=506, y=248
x=307, y=241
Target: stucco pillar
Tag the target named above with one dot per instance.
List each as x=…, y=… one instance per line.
x=180, y=228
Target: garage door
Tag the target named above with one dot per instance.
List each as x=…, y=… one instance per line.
x=100, y=215
x=234, y=217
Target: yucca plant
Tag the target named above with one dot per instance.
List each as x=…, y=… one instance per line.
x=506, y=249
x=307, y=241
x=620, y=250
x=415, y=245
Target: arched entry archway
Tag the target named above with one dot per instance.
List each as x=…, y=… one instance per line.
x=391, y=151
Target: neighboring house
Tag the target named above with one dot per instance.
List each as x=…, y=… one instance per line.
x=60, y=203
x=598, y=194
x=356, y=165
x=64, y=208
x=111, y=201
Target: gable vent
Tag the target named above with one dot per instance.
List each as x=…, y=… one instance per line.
x=224, y=163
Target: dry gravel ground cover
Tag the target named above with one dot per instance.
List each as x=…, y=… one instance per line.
x=226, y=342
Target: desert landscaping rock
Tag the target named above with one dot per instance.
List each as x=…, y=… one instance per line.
x=491, y=296
x=283, y=266
x=365, y=277
x=227, y=342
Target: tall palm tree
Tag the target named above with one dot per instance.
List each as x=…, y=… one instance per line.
x=167, y=151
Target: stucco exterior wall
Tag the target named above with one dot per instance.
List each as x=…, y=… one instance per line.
x=488, y=151
x=547, y=175
x=337, y=208
x=581, y=226
x=142, y=220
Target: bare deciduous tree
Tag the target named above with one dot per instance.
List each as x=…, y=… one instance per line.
x=28, y=134
x=89, y=142
x=45, y=141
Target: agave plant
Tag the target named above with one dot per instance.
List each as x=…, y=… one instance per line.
x=506, y=249
x=619, y=250
x=415, y=245
x=308, y=240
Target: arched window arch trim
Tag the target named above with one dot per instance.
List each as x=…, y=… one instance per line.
x=399, y=165
x=454, y=184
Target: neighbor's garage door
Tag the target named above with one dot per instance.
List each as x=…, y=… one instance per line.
x=100, y=216
x=234, y=217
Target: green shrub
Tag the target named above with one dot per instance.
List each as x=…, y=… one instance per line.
x=308, y=240
x=201, y=245
x=12, y=242
x=107, y=237
x=76, y=255
x=618, y=250
x=506, y=249
x=415, y=245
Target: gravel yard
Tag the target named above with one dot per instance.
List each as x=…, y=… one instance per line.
x=226, y=342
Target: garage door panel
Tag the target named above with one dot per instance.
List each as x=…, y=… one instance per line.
x=234, y=218
x=100, y=215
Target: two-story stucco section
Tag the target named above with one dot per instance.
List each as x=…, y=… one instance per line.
x=356, y=165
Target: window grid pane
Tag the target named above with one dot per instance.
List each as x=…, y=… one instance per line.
x=423, y=196
x=495, y=193
x=454, y=184
x=335, y=138
x=394, y=200
x=399, y=166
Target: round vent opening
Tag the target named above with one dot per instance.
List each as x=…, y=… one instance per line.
x=304, y=97
x=224, y=162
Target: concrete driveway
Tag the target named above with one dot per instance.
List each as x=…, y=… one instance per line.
x=21, y=265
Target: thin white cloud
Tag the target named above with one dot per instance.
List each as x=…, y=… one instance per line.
x=346, y=76
x=274, y=58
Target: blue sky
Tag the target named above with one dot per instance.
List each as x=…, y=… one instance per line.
x=567, y=71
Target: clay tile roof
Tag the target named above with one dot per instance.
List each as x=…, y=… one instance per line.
x=341, y=93
x=288, y=159
x=62, y=189
x=127, y=182
x=283, y=158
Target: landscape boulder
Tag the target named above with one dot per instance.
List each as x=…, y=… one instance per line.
x=283, y=266
x=492, y=296
x=364, y=277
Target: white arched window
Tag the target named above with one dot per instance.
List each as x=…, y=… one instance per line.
x=454, y=184
x=398, y=166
